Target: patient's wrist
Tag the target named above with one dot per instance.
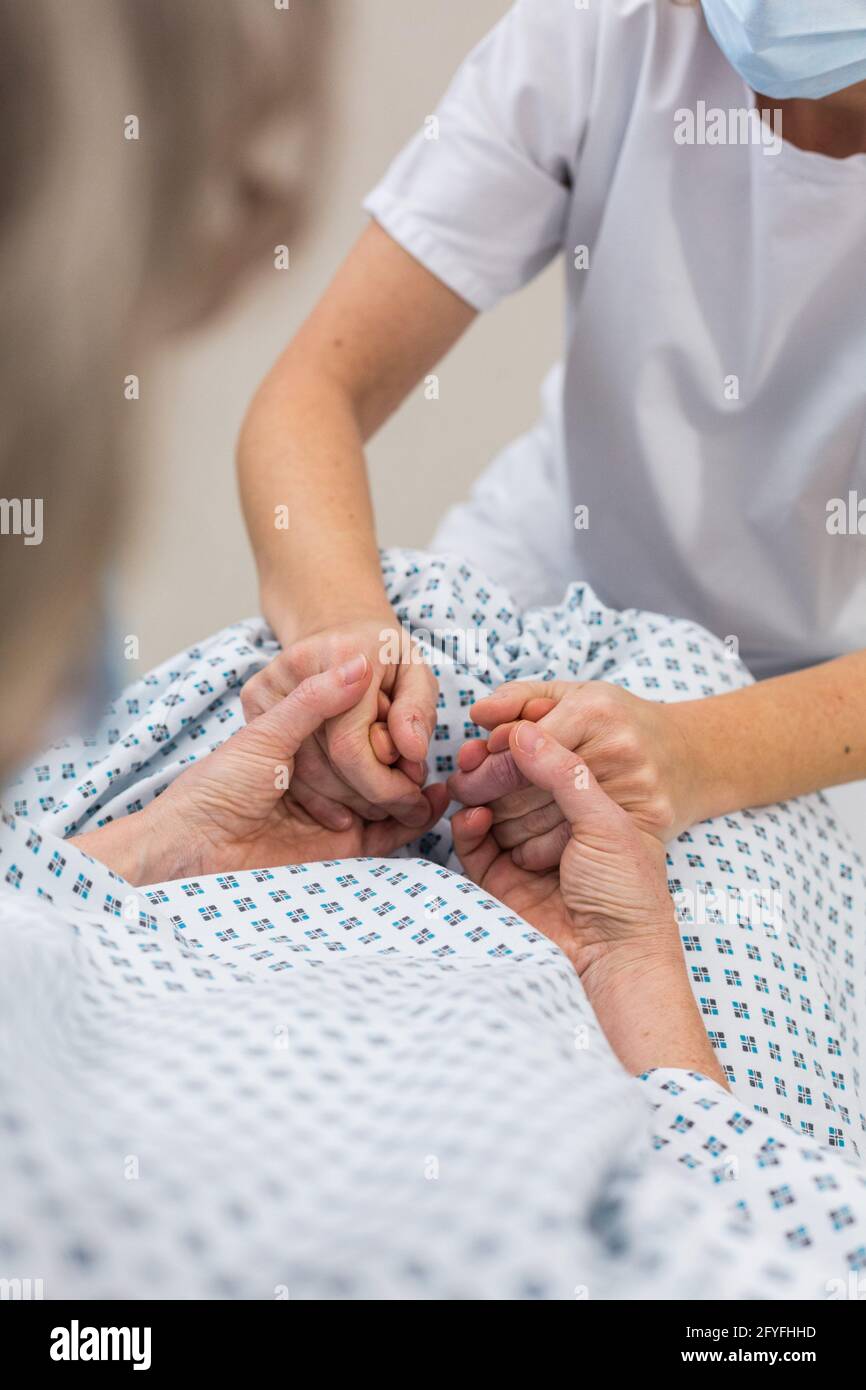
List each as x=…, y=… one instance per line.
x=643, y=1000
x=120, y=845
x=619, y=968
x=145, y=847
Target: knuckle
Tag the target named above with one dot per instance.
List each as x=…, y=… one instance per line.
x=511, y=806
x=294, y=662
x=516, y=692
x=545, y=853
x=660, y=810
x=295, y=665
x=597, y=695
x=542, y=819
x=626, y=742
x=647, y=780
x=605, y=703
x=462, y=787
x=506, y=835
x=249, y=701
x=503, y=773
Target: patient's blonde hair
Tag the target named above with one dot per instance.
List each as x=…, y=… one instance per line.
x=108, y=241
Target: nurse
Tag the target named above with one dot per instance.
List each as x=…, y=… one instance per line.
x=700, y=440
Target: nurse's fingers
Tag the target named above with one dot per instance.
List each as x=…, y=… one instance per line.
x=538, y=707
x=575, y=719
x=507, y=702
x=498, y=740
x=533, y=709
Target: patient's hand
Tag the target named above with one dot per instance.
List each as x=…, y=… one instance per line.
x=370, y=760
x=609, y=889
x=607, y=908
x=635, y=748
x=232, y=810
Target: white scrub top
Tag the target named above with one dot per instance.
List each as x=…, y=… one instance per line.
x=712, y=399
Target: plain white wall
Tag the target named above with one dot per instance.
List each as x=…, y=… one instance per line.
x=186, y=568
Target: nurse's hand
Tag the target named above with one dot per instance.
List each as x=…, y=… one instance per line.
x=235, y=809
x=635, y=748
x=371, y=760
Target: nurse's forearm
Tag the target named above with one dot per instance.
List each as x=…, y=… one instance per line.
x=780, y=738
x=307, y=505
x=381, y=325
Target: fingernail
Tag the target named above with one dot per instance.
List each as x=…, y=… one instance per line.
x=528, y=737
x=353, y=671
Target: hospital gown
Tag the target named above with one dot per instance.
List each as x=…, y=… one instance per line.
x=368, y=1078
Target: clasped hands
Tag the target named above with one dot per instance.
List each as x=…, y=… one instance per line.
x=565, y=809
x=573, y=845
x=573, y=862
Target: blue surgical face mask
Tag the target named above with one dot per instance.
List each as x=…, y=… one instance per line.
x=792, y=48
